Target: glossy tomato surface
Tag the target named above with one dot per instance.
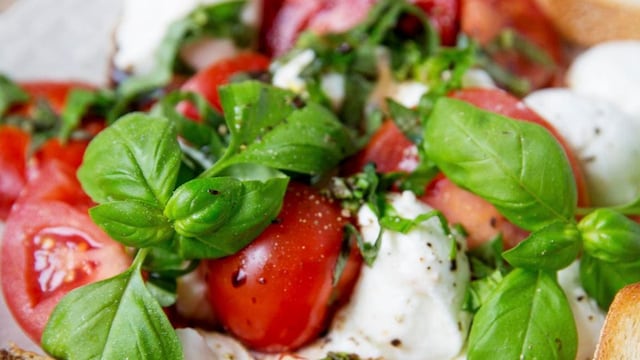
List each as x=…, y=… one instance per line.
x=50, y=248
x=275, y=294
x=207, y=81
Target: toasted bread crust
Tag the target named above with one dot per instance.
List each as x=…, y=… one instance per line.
x=588, y=22
x=16, y=353
x=620, y=336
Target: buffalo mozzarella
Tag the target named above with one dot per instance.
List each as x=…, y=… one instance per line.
x=604, y=139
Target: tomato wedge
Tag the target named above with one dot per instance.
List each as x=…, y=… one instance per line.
x=50, y=248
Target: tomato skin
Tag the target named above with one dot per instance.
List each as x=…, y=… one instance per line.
x=484, y=19
x=13, y=166
x=274, y=295
x=206, y=81
x=501, y=102
x=52, y=236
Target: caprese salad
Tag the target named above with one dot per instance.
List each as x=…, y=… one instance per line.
x=325, y=180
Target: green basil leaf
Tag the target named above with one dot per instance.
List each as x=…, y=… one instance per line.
x=163, y=289
x=515, y=165
x=77, y=105
x=115, y=318
x=133, y=223
x=259, y=203
x=603, y=279
x=201, y=206
x=10, y=94
x=480, y=290
x=610, y=236
x=527, y=317
x=137, y=158
x=267, y=129
x=553, y=247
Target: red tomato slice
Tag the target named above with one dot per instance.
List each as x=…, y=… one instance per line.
x=503, y=103
x=13, y=166
x=207, y=81
x=50, y=248
x=484, y=19
x=274, y=295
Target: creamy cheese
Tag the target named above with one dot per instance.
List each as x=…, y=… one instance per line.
x=408, y=304
x=589, y=318
x=198, y=345
x=144, y=23
x=609, y=71
x=604, y=139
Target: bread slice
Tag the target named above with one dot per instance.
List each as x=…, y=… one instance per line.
x=16, y=353
x=588, y=22
x=620, y=336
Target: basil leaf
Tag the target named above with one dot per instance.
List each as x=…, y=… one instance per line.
x=603, y=279
x=610, y=236
x=201, y=206
x=259, y=203
x=115, y=318
x=553, y=247
x=527, y=317
x=78, y=104
x=133, y=223
x=515, y=165
x=137, y=158
x=10, y=94
x=480, y=290
x=267, y=129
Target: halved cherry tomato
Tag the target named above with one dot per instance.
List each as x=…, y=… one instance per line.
x=485, y=19
x=275, y=294
x=207, y=81
x=50, y=248
x=13, y=166
x=503, y=103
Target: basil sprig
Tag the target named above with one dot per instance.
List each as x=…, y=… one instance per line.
x=131, y=171
x=117, y=318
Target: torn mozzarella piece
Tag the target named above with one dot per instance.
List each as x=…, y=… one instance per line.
x=408, y=304
x=604, y=139
x=143, y=26
x=609, y=71
x=589, y=318
x=198, y=345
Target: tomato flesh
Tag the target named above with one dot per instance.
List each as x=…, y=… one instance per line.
x=275, y=294
x=49, y=248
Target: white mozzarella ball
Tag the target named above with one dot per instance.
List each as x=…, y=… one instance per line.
x=610, y=71
x=604, y=139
